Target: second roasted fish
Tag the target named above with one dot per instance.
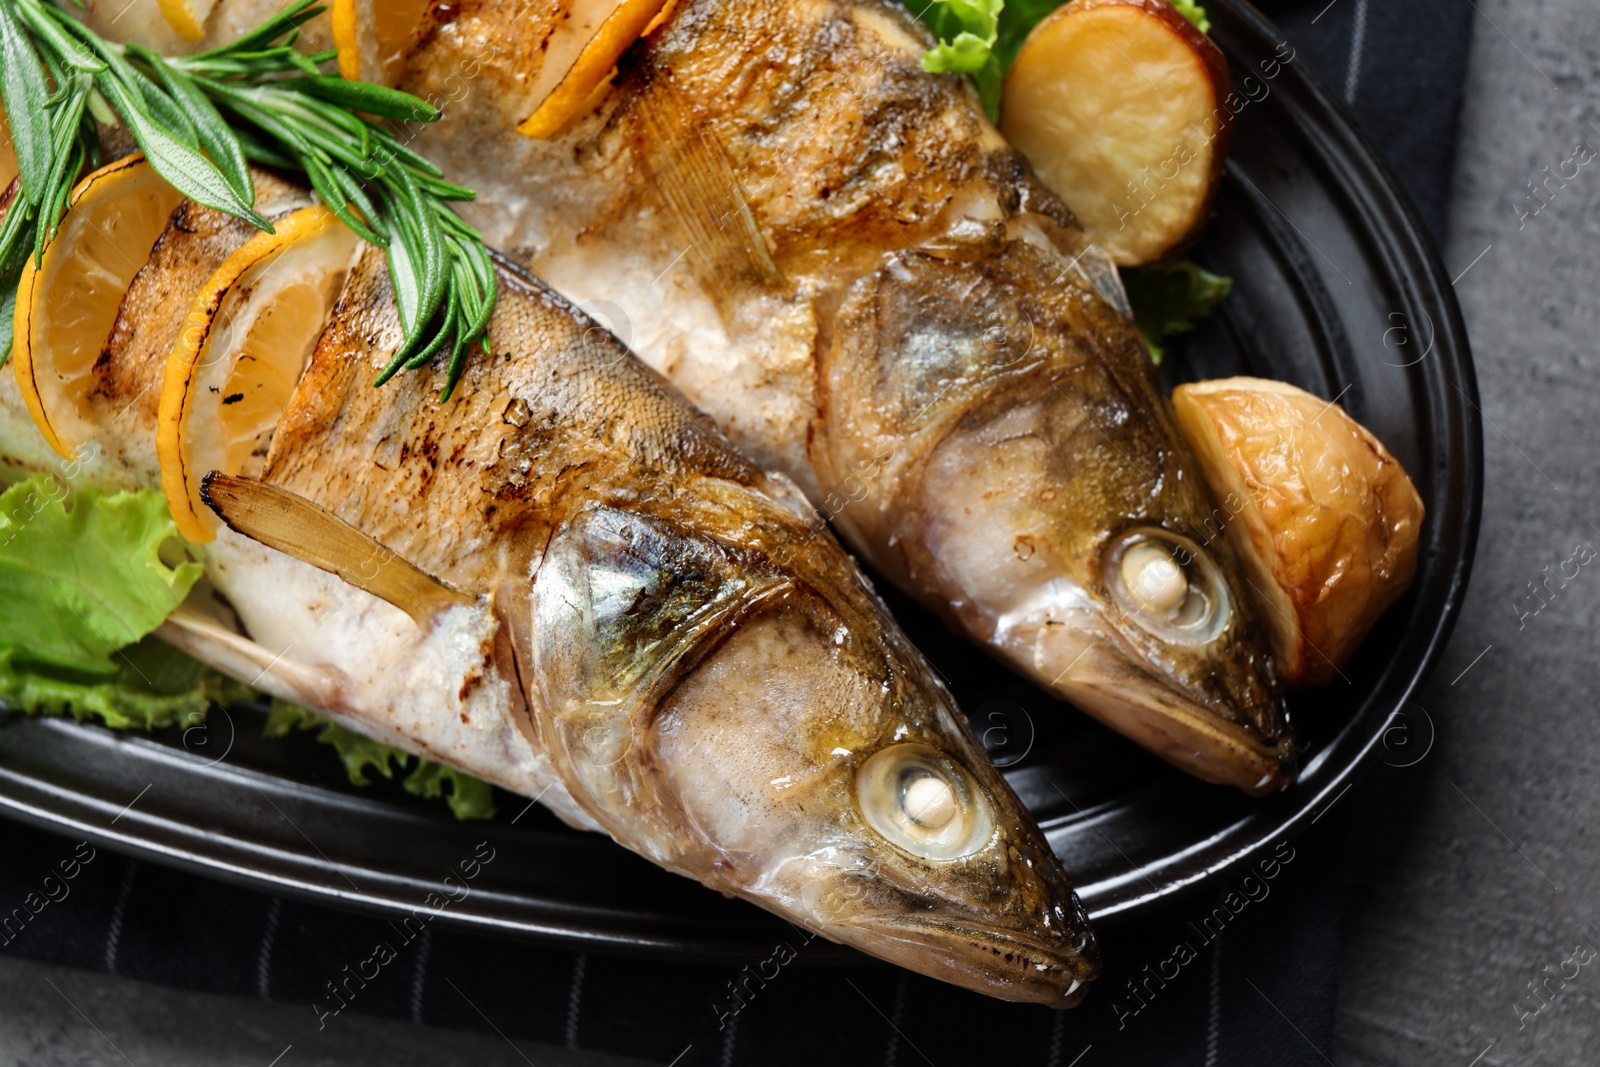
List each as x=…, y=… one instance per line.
x=836, y=256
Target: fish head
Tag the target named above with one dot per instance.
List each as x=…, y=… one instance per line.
x=798, y=753
x=1032, y=485
x=841, y=790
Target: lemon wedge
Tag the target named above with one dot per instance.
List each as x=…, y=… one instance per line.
x=371, y=37
x=580, y=54
x=187, y=17
x=248, y=339
x=67, y=304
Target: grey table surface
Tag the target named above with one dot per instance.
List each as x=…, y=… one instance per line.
x=1473, y=870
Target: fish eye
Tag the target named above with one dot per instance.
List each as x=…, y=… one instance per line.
x=1167, y=585
x=923, y=802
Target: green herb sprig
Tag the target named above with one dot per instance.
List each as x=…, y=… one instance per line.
x=202, y=119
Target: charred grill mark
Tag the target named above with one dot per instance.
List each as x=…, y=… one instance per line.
x=184, y=219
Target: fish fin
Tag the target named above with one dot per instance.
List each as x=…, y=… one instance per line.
x=288, y=522
x=230, y=652
x=1095, y=267
x=697, y=184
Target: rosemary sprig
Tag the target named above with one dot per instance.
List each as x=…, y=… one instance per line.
x=201, y=119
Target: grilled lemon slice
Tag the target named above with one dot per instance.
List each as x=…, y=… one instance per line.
x=372, y=35
x=67, y=304
x=248, y=339
x=580, y=54
x=187, y=17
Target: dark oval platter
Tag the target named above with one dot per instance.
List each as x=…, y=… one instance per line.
x=1337, y=289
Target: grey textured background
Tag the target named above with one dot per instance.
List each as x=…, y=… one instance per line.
x=1472, y=870
x=1475, y=869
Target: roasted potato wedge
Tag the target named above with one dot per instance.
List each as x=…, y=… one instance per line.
x=1325, y=517
x=1119, y=106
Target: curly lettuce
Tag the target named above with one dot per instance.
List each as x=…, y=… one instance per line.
x=468, y=797
x=80, y=583
x=967, y=31
x=155, y=687
x=85, y=582
x=1169, y=298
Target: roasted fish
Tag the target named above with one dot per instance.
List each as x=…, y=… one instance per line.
x=566, y=582
x=836, y=257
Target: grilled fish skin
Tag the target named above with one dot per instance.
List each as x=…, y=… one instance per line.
x=640, y=630
x=835, y=256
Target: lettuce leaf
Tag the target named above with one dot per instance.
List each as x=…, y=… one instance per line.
x=155, y=686
x=468, y=797
x=81, y=589
x=78, y=584
x=1017, y=20
x=967, y=31
x=1169, y=298
x=1194, y=13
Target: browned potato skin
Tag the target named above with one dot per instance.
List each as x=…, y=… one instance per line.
x=1220, y=84
x=1326, y=518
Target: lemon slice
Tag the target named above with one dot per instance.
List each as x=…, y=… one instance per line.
x=249, y=337
x=187, y=17
x=67, y=304
x=371, y=37
x=580, y=55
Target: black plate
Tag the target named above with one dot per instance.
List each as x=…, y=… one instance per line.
x=1339, y=290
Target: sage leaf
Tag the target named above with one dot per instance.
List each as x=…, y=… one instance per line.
x=185, y=168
